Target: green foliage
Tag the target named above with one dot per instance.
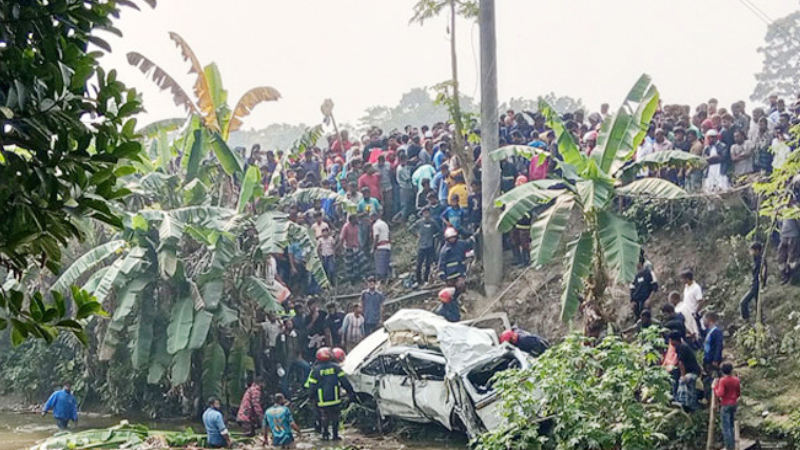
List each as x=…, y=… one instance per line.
x=780, y=73
x=34, y=368
x=44, y=320
x=788, y=428
x=612, y=395
x=57, y=165
x=607, y=240
x=415, y=107
x=428, y=9
x=124, y=435
x=777, y=198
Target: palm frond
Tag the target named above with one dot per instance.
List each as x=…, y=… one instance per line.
x=163, y=80
x=201, y=87
x=247, y=102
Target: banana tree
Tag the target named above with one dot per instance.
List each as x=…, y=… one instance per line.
x=582, y=199
x=184, y=281
x=212, y=120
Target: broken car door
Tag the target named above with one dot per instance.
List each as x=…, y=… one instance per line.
x=430, y=392
x=395, y=397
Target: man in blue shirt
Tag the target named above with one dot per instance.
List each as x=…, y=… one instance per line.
x=439, y=183
x=64, y=406
x=218, y=436
x=279, y=422
x=372, y=304
x=712, y=350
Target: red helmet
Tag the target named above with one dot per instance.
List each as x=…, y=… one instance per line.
x=522, y=179
x=509, y=336
x=446, y=295
x=324, y=354
x=338, y=354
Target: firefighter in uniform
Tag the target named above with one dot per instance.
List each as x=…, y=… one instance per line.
x=325, y=391
x=452, y=256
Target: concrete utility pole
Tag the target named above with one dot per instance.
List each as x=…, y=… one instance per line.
x=490, y=140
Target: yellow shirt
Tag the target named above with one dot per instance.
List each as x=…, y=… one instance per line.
x=461, y=191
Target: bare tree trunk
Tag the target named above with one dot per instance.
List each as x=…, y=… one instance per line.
x=490, y=137
x=459, y=150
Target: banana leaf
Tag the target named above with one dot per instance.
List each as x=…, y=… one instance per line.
x=202, y=323
x=577, y=266
x=548, y=230
x=181, y=367
x=140, y=333
x=651, y=188
x=180, y=325
x=251, y=187
x=85, y=263
x=620, y=243
x=213, y=369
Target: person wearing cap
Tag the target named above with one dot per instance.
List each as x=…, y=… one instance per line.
x=690, y=304
x=426, y=230
x=325, y=384
x=452, y=256
x=449, y=306
x=718, y=156
x=525, y=341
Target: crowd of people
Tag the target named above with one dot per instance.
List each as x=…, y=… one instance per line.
x=413, y=178
x=690, y=328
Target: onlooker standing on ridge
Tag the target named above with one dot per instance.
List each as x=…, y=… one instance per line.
x=372, y=304
x=353, y=331
x=690, y=304
x=728, y=389
x=752, y=293
x=642, y=288
x=426, y=230
x=712, y=349
x=381, y=247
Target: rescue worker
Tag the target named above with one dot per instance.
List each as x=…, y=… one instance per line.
x=338, y=355
x=525, y=341
x=324, y=388
x=452, y=256
x=449, y=306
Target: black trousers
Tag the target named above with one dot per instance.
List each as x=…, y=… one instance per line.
x=329, y=417
x=425, y=257
x=751, y=295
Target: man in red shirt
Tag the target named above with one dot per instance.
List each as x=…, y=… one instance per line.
x=372, y=180
x=728, y=389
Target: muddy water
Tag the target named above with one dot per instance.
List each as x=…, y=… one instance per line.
x=20, y=431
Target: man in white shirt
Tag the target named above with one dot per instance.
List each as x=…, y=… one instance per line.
x=381, y=246
x=691, y=303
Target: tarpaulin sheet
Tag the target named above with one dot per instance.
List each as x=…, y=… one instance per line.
x=460, y=344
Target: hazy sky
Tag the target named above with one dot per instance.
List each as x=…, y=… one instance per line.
x=362, y=53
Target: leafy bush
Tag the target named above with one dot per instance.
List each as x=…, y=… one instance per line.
x=33, y=369
x=613, y=395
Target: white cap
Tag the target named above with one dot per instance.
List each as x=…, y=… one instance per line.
x=711, y=132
